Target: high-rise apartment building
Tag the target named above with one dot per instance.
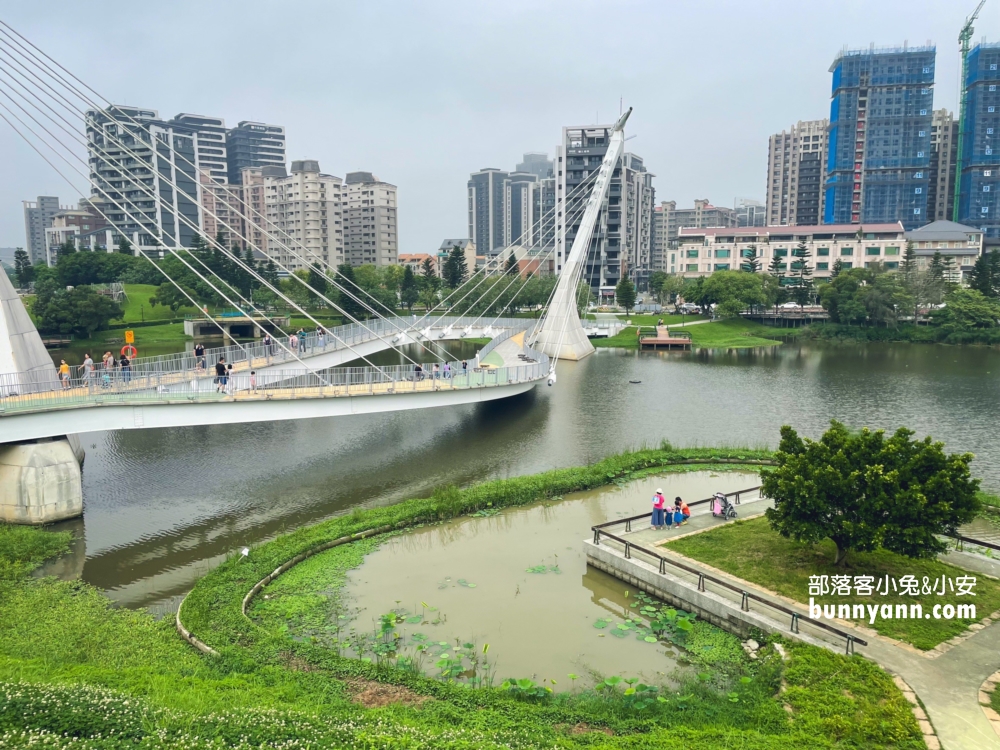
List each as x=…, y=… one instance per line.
x=135, y=160
x=512, y=208
x=941, y=173
x=369, y=215
x=980, y=176
x=796, y=171
x=537, y=164
x=622, y=241
x=750, y=213
x=254, y=144
x=304, y=213
x=38, y=216
x=878, y=164
x=209, y=144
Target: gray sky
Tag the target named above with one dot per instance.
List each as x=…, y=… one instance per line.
x=424, y=93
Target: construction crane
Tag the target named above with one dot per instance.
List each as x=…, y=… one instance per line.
x=964, y=38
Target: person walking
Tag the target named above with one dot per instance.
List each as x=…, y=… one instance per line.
x=659, y=501
x=321, y=337
x=199, y=356
x=220, y=375
x=253, y=382
x=418, y=373
x=64, y=374
x=435, y=371
x=293, y=343
x=681, y=513
x=447, y=371
x=87, y=368
x=303, y=341
x=108, y=365
x=125, y=366
x=268, y=344
x=230, y=383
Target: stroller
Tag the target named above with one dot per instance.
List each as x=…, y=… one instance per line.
x=721, y=507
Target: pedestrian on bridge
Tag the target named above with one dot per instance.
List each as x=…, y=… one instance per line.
x=447, y=371
x=268, y=346
x=64, y=374
x=321, y=337
x=125, y=365
x=293, y=343
x=220, y=375
x=199, y=356
x=303, y=341
x=87, y=368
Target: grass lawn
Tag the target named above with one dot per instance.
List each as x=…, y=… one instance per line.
x=137, y=307
x=643, y=319
x=76, y=671
x=722, y=334
x=752, y=551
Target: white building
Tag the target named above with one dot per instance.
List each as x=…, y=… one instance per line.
x=371, y=233
x=305, y=215
x=702, y=252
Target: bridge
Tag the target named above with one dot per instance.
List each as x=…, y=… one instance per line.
x=275, y=378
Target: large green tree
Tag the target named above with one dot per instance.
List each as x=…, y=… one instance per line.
x=409, y=290
x=966, y=310
x=732, y=292
x=625, y=294
x=866, y=491
x=22, y=268
x=750, y=260
x=79, y=311
x=802, y=281
x=455, y=270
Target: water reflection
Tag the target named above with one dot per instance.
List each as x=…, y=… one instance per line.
x=162, y=506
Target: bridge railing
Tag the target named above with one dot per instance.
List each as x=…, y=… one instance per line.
x=125, y=387
x=333, y=339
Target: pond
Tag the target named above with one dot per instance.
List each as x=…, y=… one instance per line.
x=519, y=581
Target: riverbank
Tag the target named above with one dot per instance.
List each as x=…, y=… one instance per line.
x=903, y=333
x=86, y=670
x=722, y=334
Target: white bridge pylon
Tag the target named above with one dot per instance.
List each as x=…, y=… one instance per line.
x=561, y=335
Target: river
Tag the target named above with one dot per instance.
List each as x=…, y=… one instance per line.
x=163, y=506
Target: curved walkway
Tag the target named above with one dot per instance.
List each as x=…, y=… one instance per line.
x=947, y=679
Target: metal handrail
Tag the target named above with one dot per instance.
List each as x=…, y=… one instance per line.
x=747, y=596
x=970, y=540
x=123, y=387
x=628, y=521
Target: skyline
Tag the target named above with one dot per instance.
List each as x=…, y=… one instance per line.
x=423, y=123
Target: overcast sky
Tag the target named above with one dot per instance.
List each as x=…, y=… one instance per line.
x=424, y=93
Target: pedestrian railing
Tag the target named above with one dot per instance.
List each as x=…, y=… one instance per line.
x=331, y=339
x=125, y=387
x=704, y=579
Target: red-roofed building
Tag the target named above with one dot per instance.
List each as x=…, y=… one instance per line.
x=701, y=252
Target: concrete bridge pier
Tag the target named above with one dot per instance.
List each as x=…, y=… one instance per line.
x=41, y=481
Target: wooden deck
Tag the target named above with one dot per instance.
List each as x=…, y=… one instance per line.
x=664, y=338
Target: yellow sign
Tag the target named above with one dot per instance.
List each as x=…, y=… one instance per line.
x=129, y=337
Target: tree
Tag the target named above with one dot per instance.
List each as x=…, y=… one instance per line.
x=985, y=274
x=429, y=284
x=170, y=296
x=351, y=307
x=318, y=281
x=751, y=260
x=66, y=248
x=672, y=288
x=802, y=286
x=511, y=269
x=777, y=271
x=22, y=268
x=270, y=273
x=842, y=297
x=935, y=279
x=656, y=280
x=732, y=292
x=865, y=491
x=838, y=266
x=966, y=310
x=409, y=292
x=124, y=246
x=455, y=270
x=625, y=294
x=79, y=311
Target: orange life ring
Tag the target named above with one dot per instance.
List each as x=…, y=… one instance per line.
x=132, y=351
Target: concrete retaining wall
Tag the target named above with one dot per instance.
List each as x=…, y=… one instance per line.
x=709, y=606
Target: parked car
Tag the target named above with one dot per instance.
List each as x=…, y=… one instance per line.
x=689, y=308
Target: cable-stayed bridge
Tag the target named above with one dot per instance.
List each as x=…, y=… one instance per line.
x=59, y=116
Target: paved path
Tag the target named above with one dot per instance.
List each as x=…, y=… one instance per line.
x=947, y=685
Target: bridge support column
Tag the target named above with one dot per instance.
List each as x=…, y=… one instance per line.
x=40, y=482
